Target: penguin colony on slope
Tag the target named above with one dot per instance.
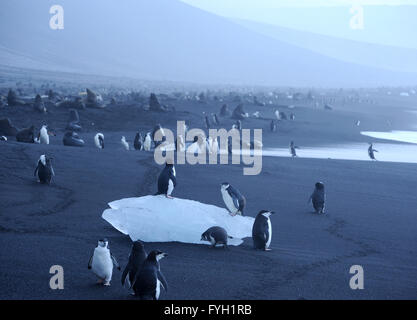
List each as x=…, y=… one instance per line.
x=142, y=274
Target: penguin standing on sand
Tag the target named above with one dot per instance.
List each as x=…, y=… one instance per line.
x=273, y=126
x=235, y=202
x=147, y=285
x=167, y=180
x=262, y=230
x=371, y=151
x=43, y=137
x=101, y=262
x=147, y=144
x=44, y=170
x=293, y=148
x=157, y=128
x=215, y=119
x=206, y=120
x=125, y=144
x=216, y=235
x=136, y=258
x=138, y=143
x=99, y=140
x=318, y=197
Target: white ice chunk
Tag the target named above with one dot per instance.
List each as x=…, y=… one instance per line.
x=159, y=219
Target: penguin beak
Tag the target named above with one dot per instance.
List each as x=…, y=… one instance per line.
x=272, y=212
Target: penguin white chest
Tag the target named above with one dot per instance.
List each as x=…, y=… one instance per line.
x=268, y=241
x=147, y=143
x=228, y=201
x=102, y=264
x=44, y=138
x=157, y=289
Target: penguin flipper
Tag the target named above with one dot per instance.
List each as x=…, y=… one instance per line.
x=114, y=261
x=36, y=170
x=90, y=261
x=163, y=280
x=125, y=273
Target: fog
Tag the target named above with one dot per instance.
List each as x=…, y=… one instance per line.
x=170, y=40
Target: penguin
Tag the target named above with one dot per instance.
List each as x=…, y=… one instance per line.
x=239, y=125
x=147, y=284
x=277, y=115
x=43, y=136
x=292, y=116
x=273, y=126
x=318, y=197
x=206, y=121
x=44, y=170
x=358, y=123
x=136, y=258
x=101, y=262
x=125, y=144
x=293, y=148
x=3, y=138
x=371, y=151
x=216, y=235
x=167, y=180
x=138, y=143
x=155, y=130
x=99, y=140
x=214, y=145
x=179, y=143
x=235, y=202
x=256, y=114
x=148, y=142
x=215, y=119
x=262, y=230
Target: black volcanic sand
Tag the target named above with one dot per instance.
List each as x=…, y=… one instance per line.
x=370, y=222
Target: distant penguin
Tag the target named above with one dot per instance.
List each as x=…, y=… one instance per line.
x=167, y=180
x=358, y=123
x=157, y=128
x=318, y=197
x=239, y=125
x=99, y=140
x=101, y=262
x=273, y=126
x=277, y=115
x=3, y=138
x=179, y=144
x=215, y=145
x=256, y=114
x=147, y=284
x=293, y=148
x=125, y=144
x=262, y=230
x=235, y=202
x=206, y=121
x=216, y=235
x=215, y=119
x=147, y=144
x=292, y=116
x=371, y=151
x=136, y=258
x=44, y=170
x=138, y=143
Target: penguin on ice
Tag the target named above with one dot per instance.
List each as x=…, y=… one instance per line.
x=147, y=144
x=235, y=202
x=101, y=262
x=99, y=140
x=293, y=148
x=125, y=144
x=318, y=198
x=138, y=143
x=371, y=151
x=44, y=170
x=262, y=230
x=136, y=258
x=216, y=235
x=167, y=180
x=147, y=285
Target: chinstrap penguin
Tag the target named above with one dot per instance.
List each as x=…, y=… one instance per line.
x=318, y=197
x=216, y=235
x=235, y=202
x=101, y=262
x=262, y=230
x=99, y=140
x=167, y=180
x=136, y=258
x=44, y=170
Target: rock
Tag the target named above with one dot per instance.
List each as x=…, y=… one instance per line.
x=93, y=100
x=224, y=111
x=26, y=135
x=6, y=128
x=39, y=105
x=154, y=104
x=239, y=113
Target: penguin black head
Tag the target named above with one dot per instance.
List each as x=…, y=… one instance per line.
x=103, y=243
x=319, y=186
x=156, y=255
x=138, y=246
x=265, y=213
x=225, y=185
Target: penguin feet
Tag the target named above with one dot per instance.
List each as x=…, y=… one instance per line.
x=106, y=283
x=169, y=197
x=268, y=249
